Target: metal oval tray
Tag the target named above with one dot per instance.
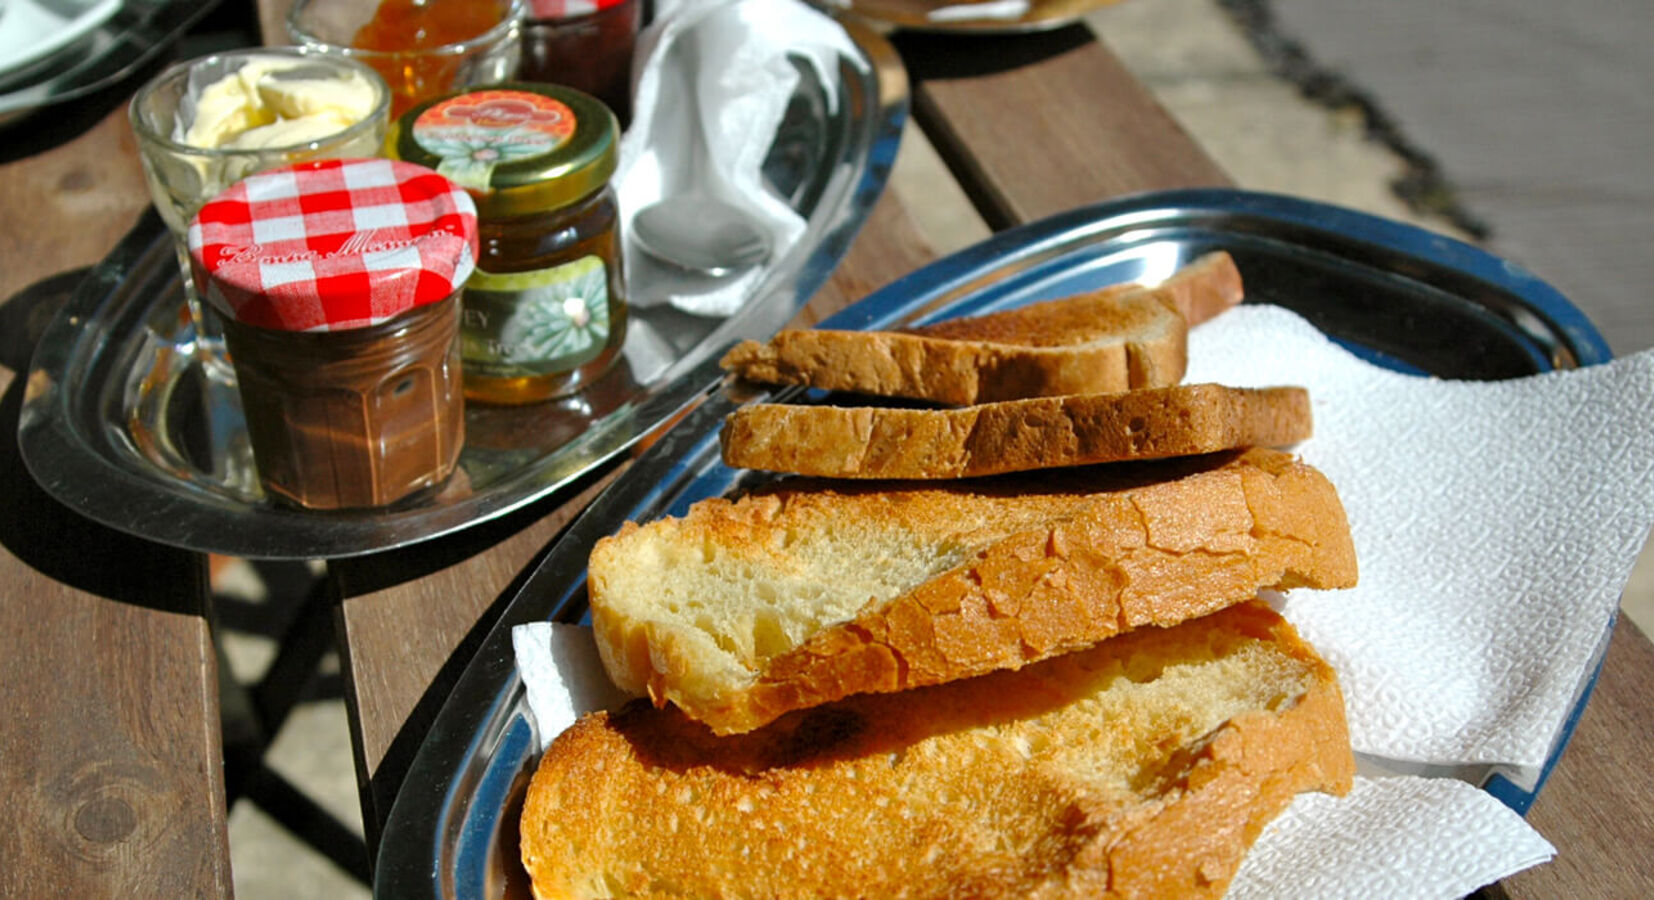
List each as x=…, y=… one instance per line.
x=1393, y=293
x=123, y=424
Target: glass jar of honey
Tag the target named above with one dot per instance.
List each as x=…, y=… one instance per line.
x=545, y=310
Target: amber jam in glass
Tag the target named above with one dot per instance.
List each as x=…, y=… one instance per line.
x=545, y=310
x=422, y=46
x=418, y=24
x=544, y=242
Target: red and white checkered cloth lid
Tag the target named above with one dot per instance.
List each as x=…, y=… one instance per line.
x=333, y=244
x=558, y=9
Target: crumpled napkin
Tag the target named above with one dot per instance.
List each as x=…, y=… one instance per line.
x=1390, y=837
x=1496, y=524
x=729, y=60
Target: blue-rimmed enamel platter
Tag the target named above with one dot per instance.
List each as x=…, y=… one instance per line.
x=1395, y=294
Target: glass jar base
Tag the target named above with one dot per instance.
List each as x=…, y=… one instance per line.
x=410, y=496
x=522, y=390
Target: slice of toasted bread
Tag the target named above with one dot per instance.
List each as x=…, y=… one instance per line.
x=1142, y=767
x=1012, y=435
x=1114, y=339
x=1205, y=288
x=743, y=610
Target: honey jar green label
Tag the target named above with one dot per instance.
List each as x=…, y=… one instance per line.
x=541, y=322
x=472, y=133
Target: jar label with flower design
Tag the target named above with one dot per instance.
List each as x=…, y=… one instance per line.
x=542, y=322
x=474, y=132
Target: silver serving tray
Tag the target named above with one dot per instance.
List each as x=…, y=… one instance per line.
x=123, y=424
x=1393, y=293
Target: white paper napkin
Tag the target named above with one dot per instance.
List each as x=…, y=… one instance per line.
x=737, y=74
x=1495, y=524
x=563, y=675
x=1391, y=837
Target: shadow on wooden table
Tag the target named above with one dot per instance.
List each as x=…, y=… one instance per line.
x=54, y=126
x=363, y=576
x=24, y=318
x=50, y=537
x=948, y=56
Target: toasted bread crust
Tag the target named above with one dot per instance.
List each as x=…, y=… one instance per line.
x=1108, y=312
x=1205, y=288
x=1117, y=338
x=1058, y=567
x=1142, y=767
x=1012, y=435
x=1144, y=344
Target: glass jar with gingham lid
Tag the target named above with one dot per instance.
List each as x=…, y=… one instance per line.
x=339, y=281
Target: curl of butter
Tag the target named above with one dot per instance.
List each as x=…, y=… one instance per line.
x=276, y=103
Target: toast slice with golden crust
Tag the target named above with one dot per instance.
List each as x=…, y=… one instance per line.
x=1142, y=767
x=1206, y=287
x=1114, y=339
x=743, y=610
x=1012, y=435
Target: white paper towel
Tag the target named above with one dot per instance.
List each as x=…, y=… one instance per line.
x=1495, y=524
x=737, y=74
x=563, y=675
x=1391, y=837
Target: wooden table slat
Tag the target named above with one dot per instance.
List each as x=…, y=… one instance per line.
x=1598, y=807
x=1038, y=124
x=113, y=768
x=111, y=761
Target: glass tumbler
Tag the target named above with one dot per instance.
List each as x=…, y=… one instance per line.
x=183, y=177
x=422, y=48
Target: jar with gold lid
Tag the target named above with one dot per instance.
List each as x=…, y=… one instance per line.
x=545, y=310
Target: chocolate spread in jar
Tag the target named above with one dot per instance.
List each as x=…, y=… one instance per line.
x=339, y=282
x=363, y=417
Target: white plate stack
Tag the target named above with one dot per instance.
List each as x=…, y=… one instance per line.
x=52, y=51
